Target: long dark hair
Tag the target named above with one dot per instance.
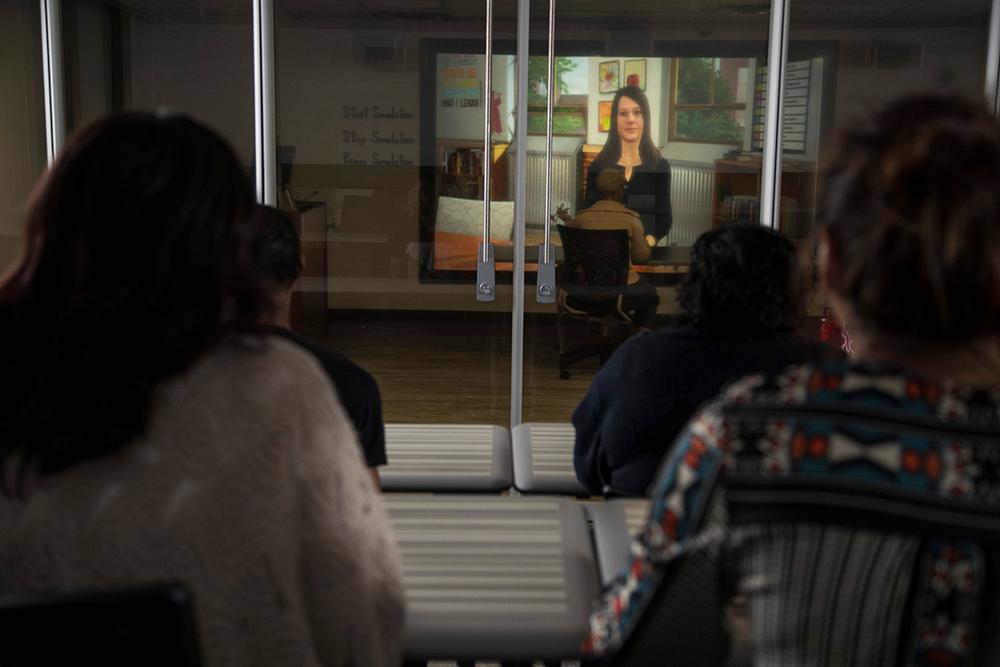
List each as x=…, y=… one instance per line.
x=744, y=279
x=612, y=151
x=135, y=263
x=910, y=205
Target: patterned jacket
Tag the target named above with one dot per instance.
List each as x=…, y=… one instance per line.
x=870, y=443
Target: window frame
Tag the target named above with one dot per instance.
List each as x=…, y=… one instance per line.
x=676, y=106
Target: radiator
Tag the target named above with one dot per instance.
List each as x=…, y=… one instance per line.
x=691, y=186
x=566, y=166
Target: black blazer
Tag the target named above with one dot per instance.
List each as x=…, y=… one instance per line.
x=648, y=194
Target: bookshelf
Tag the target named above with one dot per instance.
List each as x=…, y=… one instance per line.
x=737, y=194
x=460, y=170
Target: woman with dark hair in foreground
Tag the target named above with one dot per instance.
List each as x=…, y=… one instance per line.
x=740, y=304
x=144, y=437
x=853, y=503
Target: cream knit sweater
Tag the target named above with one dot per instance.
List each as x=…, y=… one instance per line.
x=249, y=486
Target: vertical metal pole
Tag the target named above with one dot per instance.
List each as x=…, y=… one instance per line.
x=520, y=194
x=777, y=57
x=993, y=59
x=549, y=108
x=545, y=290
x=263, y=98
x=488, y=132
x=52, y=77
x=486, y=283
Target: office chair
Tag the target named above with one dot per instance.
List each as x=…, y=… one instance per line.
x=152, y=626
x=592, y=281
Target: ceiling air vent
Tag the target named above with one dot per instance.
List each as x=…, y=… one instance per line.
x=897, y=56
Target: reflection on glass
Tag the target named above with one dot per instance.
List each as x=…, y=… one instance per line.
x=381, y=118
x=189, y=56
x=22, y=121
x=846, y=59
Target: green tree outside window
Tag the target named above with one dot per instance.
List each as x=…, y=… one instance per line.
x=705, y=105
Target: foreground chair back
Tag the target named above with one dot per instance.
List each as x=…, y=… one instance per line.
x=152, y=626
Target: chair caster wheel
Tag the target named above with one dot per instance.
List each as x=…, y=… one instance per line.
x=563, y=375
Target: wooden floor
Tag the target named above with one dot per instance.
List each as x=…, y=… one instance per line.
x=455, y=367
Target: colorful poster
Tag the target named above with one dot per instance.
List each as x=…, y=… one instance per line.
x=459, y=83
x=609, y=77
x=604, y=116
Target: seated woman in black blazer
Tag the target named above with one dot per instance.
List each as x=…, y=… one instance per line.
x=630, y=149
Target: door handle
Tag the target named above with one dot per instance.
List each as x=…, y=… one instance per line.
x=545, y=287
x=486, y=280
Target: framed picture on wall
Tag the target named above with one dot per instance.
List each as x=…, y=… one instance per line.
x=604, y=116
x=635, y=73
x=609, y=76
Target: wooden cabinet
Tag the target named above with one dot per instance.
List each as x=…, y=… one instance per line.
x=737, y=194
x=461, y=175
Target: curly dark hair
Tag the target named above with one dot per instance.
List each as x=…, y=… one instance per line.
x=743, y=279
x=277, y=250
x=136, y=261
x=910, y=205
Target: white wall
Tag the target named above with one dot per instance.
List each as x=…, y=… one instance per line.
x=22, y=127
x=205, y=70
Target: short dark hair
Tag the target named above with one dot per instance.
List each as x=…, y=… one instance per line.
x=135, y=263
x=610, y=184
x=743, y=279
x=277, y=251
x=910, y=201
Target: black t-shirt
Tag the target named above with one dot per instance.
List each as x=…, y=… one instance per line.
x=653, y=384
x=358, y=393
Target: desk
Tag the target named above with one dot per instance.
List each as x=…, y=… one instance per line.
x=543, y=458
x=447, y=457
x=662, y=259
x=670, y=260
x=493, y=577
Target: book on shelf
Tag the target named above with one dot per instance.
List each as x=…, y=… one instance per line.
x=462, y=161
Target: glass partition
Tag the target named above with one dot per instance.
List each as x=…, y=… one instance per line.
x=22, y=119
x=846, y=59
x=699, y=70
x=381, y=115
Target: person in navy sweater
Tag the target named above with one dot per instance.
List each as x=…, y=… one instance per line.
x=740, y=303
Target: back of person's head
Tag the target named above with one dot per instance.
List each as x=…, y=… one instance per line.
x=135, y=263
x=743, y=279
x=611, y=184
x=276, y=250
x=909, y=210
